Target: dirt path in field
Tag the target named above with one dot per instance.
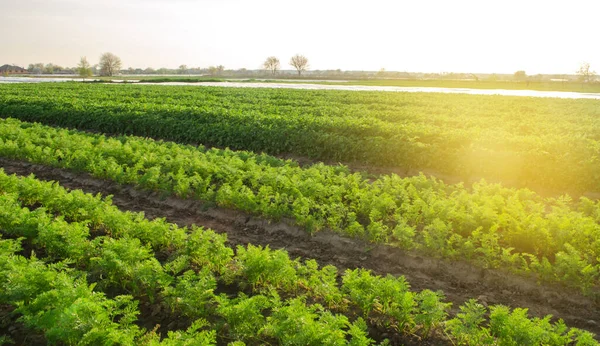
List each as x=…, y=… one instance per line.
x=460, y=281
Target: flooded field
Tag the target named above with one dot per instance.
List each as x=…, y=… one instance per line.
x=309, y=86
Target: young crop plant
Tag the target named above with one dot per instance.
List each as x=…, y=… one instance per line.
x=125, y=263
x=264, y=269
x=245, y=317
x=321, y=284
x=207, y=249
x=467, y=327
x=199, y=333
x=318, y=327
x=553, y=147
x=192, y=294
x=488, y=224
x=200, y=280
x=432, y=311
x=68, y=310
x=386, y=301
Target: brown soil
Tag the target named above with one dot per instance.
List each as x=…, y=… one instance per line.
x=459, y=280
x=16, y=331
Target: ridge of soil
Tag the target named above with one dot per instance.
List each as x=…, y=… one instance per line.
x=459, y=280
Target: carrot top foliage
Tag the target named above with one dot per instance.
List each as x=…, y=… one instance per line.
x=526, y=142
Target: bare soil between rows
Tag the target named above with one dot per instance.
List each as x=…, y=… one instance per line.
x=459, y=280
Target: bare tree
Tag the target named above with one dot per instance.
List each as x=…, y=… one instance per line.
x=183, y=69
x=585, y=74
x=300, y=63
x=110, y=64
x=84, y=68
x=271, y=64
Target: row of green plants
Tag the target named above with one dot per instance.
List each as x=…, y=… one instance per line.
x=116, y=263
x=97, y=264
x=557, y=239
x=527, y=142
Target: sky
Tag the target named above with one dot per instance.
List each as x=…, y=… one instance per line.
x=483, y=36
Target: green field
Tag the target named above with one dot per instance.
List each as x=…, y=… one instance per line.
x=75, y=269
x=568, y=86
x=481, y=84
x=540, y=143
x=92, y=295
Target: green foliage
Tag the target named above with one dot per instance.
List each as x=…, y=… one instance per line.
x=487, y=224
x=321, y=284
x=65, y=308
x=207, y=249
x=193, y=336
x=126, y=264
x=551, y=143
x=515, y=328
x=245, y=316
x=432, y=311
x=318, y=327
x=57, y=300
x=193, y=293
x=387, y=301
x=264, y=268
x=467, y=327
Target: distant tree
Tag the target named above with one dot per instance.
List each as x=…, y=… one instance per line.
x=586, y=75
x=493, y=77
x=537, y=78
x=83, y=68
x=300, y=63
x=520, y=76
x=36, y=68
x=162, y=70
x=149, y=70
x=183, y=69
x=49, y=68
x=272, y=64
x=216, y=70
x=110, y=64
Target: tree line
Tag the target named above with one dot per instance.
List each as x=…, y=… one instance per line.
x=110, y=65
x=584, y=74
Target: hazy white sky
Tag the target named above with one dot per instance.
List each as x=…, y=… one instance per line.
x=502, y=36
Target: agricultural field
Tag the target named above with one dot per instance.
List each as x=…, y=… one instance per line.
x=198, y=216
x=568, y=86
x=549, y=145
